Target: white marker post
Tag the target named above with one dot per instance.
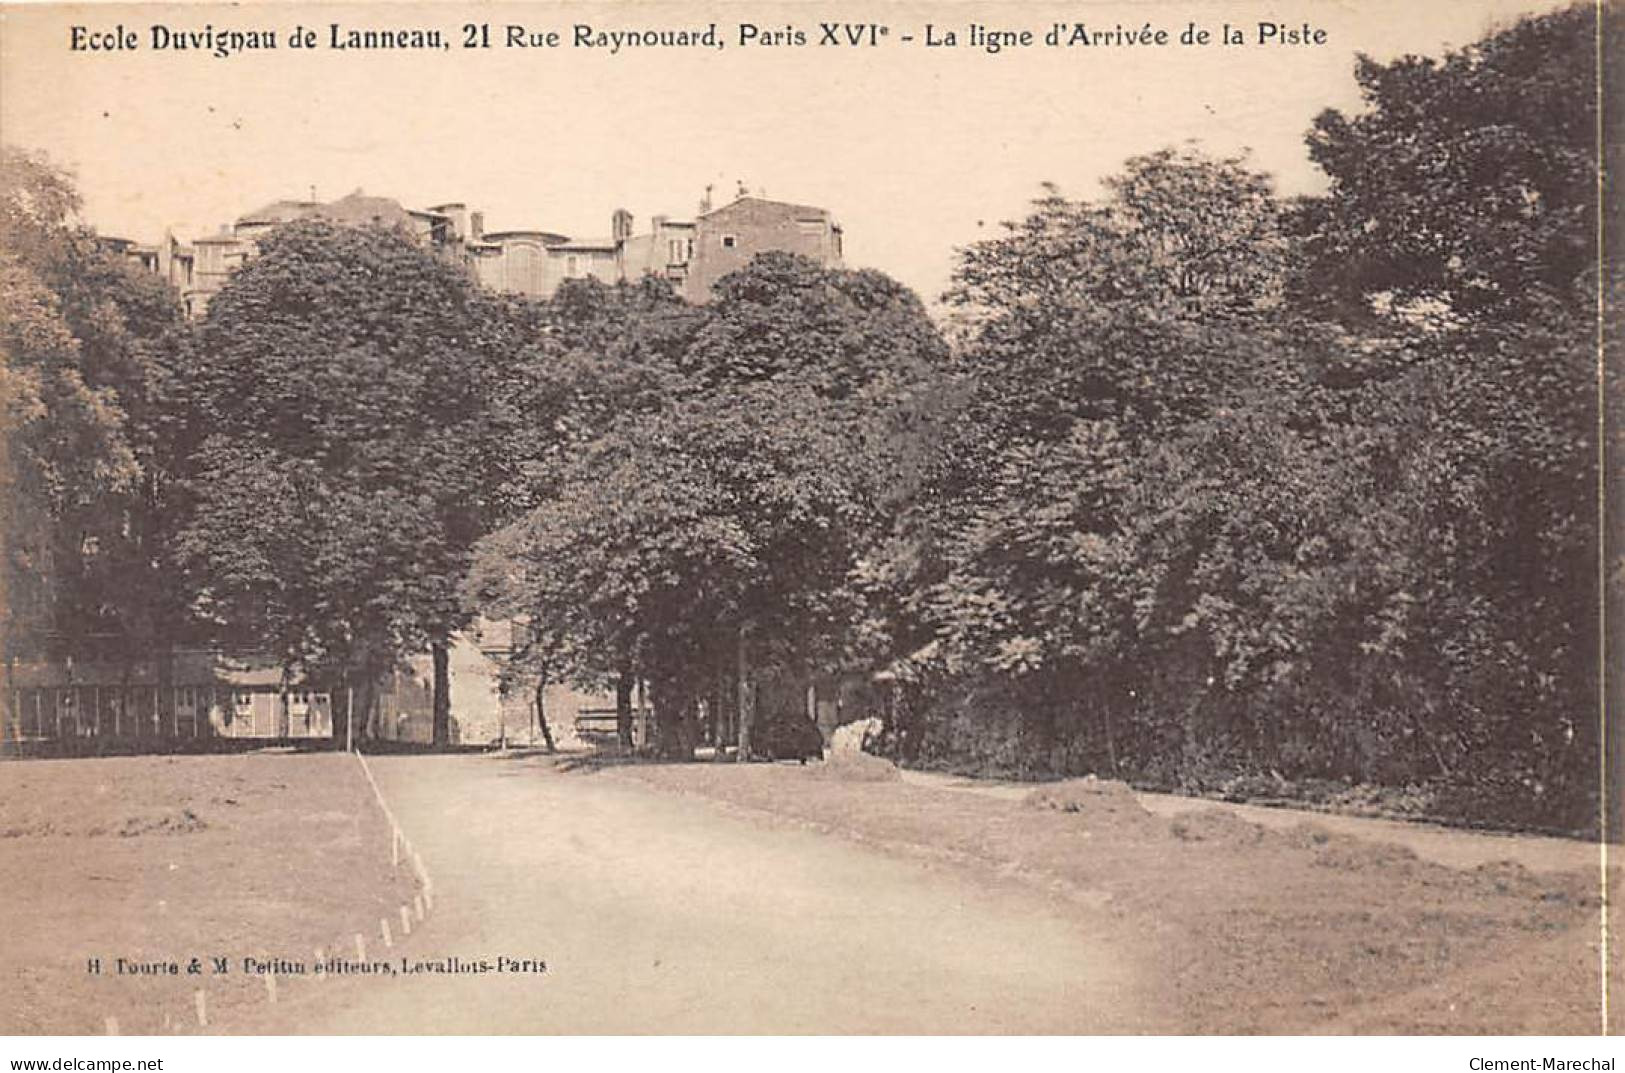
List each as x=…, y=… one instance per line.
x=360, y=947
x=383, y=929
x=201, y=1003
x=406, y=921
x=112, y=1026
x=417, y=906
x=270, y=988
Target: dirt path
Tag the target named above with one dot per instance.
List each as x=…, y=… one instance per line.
x=661, y=915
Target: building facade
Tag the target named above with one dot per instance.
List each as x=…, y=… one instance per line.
x=692, y=254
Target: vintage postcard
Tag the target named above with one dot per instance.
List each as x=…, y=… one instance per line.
x=763, y=518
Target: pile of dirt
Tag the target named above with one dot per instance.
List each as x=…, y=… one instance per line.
x=1510, y=877
x=1214, y=825
x=184, y=822
x=29, y=829
x=158, y=822
x=1347, y=854
x=849, y=766
x=1105, y=803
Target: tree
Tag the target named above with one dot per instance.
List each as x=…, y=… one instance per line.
x=734, y=511
x=90, y=345
x=1304, y=488
x=1459, y=237
x=1466, y=182
x=1089, y=333
x=1125, y=309
x=346, y=430
x=593, y=357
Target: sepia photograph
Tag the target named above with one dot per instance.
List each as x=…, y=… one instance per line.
x=745, y=519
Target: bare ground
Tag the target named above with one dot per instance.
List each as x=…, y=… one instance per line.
x=1248, y=928
x=657, y=914
x=761, y=898
x=153, y=859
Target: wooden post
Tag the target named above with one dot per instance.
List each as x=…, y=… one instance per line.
x=349, y=719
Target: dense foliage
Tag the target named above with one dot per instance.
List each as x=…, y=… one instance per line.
x=698, y=531
x=88, y=345
x=1276, y=495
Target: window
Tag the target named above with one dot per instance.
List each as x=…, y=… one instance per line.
x=570, y=265
x=729, y=241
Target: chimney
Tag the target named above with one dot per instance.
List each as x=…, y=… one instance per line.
x=705, y=202
x=476, y=225
x=620, y=225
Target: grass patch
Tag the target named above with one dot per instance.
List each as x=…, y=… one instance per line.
x=160, y=859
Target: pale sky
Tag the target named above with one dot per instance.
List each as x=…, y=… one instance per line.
x=916, y=150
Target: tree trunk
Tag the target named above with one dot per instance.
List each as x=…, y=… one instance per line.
x=164, y=703
x=747, y=696
x=366, y=698
x=8, y=696
x=673, y=722
x=442, y=694
x=339, y=725
x=541, y=712
x=284, y=702
x=721, y=723
x=623, y=708
x=121, y=711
